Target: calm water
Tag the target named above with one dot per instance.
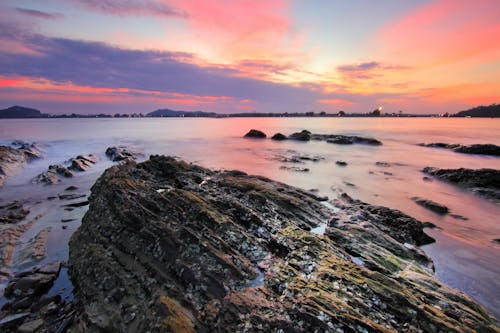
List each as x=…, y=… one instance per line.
x=465, y=256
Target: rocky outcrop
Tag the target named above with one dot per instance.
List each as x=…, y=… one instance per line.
x=13, y=158
x=279, y=137
x=431, y=205
x=56, y=172
x=168, y=246
x=304, y=135
x=118, y=154
x=256, y=134
x=480, y=149
x=485, y=182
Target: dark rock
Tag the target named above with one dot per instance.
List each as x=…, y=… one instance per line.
x=383, y=164
x=71, y=188
x=30, y=326
x=71, y=196
x=256, y=134
x=480, y=149
x=346, y=139
x=431, y=205
x=53, y=174
x=82, y=162
x=459, y=217
x=278, y=137
x=341, y=163
x=14, y=320
x=305, y=135
x=237, y=254
x=496, y=240
x=485, y=182
x=12, y=159
x=118, y=154
x=296, y=169
x=12, y=212
x=76, y=204
x=426, y=179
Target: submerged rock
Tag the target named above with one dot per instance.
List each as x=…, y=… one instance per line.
x=118, y=154
x=12, y=159
x=304, y=135
x=253, y=133
x=12, y=212
x=431, y=205
x=485, y=182
x=228, y=252
x=279, y=137
x=480, y=149
x=53, y=175
x=341, y=163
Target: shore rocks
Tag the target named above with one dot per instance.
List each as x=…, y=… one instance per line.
x=341, y=163
x=256, y=134
x=304, y=135
x=83, y=162
x=480, y=149
x=118, y=154
x=279, y=137
x=431, y=205
x=53, y=175
x=485, y=182
x=170, y=246
x=12, y=159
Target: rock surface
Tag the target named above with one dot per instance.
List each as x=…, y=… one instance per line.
x=56, y=172
x=279, y=137
x=485, y=182
x=256, y=134
x=12, y=159
x=118, y=154
x=480, y=149
x=431, y=205
x=168, y=246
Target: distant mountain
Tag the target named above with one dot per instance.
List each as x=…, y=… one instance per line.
x=174, y=113
x=492, y=110
x=21, y=112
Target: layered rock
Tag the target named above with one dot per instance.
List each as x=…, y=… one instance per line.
x=485, y=182
x=480, y=149
x=431, y=205
x=12, y=159
x=56, y=172
x=168, y=246
x=118, y=154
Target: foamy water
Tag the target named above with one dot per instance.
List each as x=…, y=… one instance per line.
x=464, y=254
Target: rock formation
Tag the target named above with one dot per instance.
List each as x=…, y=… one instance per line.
x=480, y=149
x=13, y=158
x=168, y=246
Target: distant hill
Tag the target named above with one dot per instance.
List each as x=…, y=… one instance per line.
x=492, y=110
x=174, y=113
x=21, y=112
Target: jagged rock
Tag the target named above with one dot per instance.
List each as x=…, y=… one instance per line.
x=83, y=162
x=485, y=182
x=30, y=326
x=298, y=158
x=228, y=252
x=12, y=212
x=117, y=154
x=256, y=134
x=33, y=282
x=304, y=135
x=431, y=205
x=13, y=320
x=480, y=149
x=53, y=174
x=12, y=159
x=296, y=169
x=71, y=188
x=279, y=137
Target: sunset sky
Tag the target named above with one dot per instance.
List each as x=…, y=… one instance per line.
x=92, y=56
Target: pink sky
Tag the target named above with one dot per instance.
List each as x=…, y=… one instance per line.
x=234, y=56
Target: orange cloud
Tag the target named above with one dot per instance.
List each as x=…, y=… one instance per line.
x=336, y=102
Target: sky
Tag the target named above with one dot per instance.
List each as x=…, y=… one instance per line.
x=136, y=56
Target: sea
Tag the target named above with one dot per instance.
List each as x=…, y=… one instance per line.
x=464, y=254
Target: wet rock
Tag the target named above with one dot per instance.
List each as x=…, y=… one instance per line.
x=485, y=182
x=53, y=175
x=426, y=179
x=9, y=235
x=76, y=204
x=71, y=196
x=118, y=154
x=13, y=320
x=278, y=137
x=431, y=205
x=35, y=249
x=256, y=134
x=496, y=240
x=237, y=254
x=12, y=159
x=32, y=282
x=71, y=188
x=12, y=212
x=30, y=326
x=459, y=217
x=82, y=162
x=304, y=135
x=346, y=139
x=480, y=149
x=341, y=163
x=295, y=169
x=383, y=164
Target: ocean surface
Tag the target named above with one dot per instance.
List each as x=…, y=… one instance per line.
x=465, y=256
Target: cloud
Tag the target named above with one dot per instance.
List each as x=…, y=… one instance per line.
x=39, y=14
x=132, y=7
